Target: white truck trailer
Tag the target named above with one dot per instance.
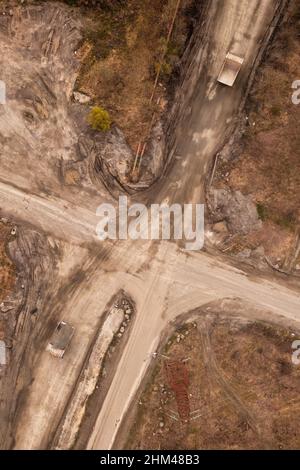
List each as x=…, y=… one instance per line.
x=230, y=69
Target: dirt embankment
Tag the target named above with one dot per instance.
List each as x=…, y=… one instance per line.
x=7, y=271
x=95, y=378
x=264, y=160
x=220, y=382
x=7, y=284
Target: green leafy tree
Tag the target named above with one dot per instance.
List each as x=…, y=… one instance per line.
x=99, y=119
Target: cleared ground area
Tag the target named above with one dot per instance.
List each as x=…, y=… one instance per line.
x=220, y=382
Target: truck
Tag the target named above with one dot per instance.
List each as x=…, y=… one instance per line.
x=230, y=69
x=61, y=339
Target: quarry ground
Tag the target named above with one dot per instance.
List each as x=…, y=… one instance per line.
x=63, y=271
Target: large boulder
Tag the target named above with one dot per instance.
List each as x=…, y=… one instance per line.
x=238, y=210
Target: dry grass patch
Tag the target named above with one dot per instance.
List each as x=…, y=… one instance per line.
x=242, y=390
x=120, y=56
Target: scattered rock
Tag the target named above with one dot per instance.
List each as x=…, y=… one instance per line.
x=6, y=306
x=220, y=227
x=259, y=252
x=116, y=156
x=81, y=97
x=244, y=254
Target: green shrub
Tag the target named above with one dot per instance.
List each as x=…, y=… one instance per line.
x=275, y=110
x=99, y=119
x=262, y=211
x=164, y=68
x=286, y=220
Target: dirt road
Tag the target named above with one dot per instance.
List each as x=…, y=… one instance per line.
x=50, y=214
x=184, y=284
x=163, y=281
x=238, y=26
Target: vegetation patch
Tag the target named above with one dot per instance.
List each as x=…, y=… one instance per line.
x=125, y=45
x=99, y=119
x=220, y=384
